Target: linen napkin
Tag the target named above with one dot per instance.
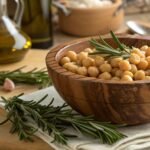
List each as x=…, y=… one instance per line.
x=138, y=136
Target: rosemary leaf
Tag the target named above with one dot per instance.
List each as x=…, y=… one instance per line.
x=116, y=40
x=27, y=116
x=103, y=48
x=32, y=77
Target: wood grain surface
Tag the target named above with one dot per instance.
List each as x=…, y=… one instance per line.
x=111, y=101
x=33, y=59
x=12, y=142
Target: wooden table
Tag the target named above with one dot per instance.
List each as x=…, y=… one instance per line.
x=33, y=59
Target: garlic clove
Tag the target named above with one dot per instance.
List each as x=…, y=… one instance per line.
x=8, y=85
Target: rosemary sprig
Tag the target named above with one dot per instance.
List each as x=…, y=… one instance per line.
x=27, y=116
x=32, y=77
x=105, y=49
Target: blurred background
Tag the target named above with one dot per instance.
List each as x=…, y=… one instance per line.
x=41, y=24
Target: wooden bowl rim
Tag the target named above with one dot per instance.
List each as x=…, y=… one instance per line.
x=52, y=62
x=113, y=5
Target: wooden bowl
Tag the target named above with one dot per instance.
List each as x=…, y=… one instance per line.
x=92, y=21
x=117, y=102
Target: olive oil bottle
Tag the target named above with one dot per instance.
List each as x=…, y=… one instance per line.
x=13, y=42
x=37, y=22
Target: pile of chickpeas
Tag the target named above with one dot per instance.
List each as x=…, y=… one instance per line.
x=136, y=67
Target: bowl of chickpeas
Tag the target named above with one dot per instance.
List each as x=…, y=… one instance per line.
x=112, y=89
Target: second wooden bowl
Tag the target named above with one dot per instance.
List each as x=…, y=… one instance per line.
x=116, y=102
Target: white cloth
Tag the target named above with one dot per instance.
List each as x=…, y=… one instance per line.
x=138, y=136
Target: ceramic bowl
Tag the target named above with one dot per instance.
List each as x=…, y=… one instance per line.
x=92, y=21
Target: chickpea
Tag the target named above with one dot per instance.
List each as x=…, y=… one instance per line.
x=147, y=77
x=88, y=62
x=66, y=65
x=93, y=71
x=115, y=61
x=144, y=48
x=79, y=62
x=119, y=73
x=113, y=71
x=148, y=60
x=115, y=78
x=99, y=60
x=148, y=52
x=127, y=78
x=105, y=68
x=129, y=73
x=105, y=76
x=139, y=75
x=147, y=72
x=71, y=67
x=124, y=65
x=82, y=71
x=134, y=59
x=64, y=60
x=143, y=64
x=133, y=68
x=88, y=50
x=72, y=55
x=138, y=52
x=82, y=55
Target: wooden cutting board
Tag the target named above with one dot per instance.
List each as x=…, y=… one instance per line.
x=34, y=58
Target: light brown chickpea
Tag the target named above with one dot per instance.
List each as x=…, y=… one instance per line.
x=133, y=68
x=134, y=59
x=71, y=67
x=113, y=71
x=129, y=73
x=88, y=50
x=119, y=73
x=88, y=62
x=99, y=60
x=124, y=65
x=143, y=64
x=105, y=76
x=82, y=55
x=139, y=75
x=72, y=55
x=138, y=52
x=126, y=78
x=148, y=60
x=93, y=71
x=147, y=72
x=115, y=61
x=105, y=68
x=148, y=52
x=82, y=71
x=65, y=60
x=144, y=48
x=66, y=65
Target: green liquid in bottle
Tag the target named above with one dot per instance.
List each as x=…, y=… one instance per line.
x=37, y=22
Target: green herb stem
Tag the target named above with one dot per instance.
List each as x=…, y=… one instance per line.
x=54, y=120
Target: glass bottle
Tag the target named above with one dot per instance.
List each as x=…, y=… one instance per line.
x=37, y=22
x=13, y=42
